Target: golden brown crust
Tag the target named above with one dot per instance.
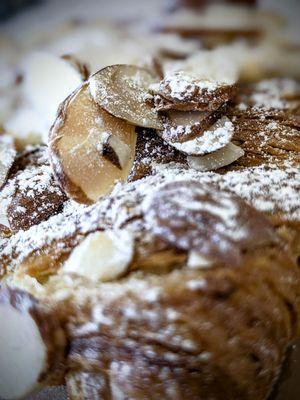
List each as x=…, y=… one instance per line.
x=169, y=330
x=30, y=195
x=232, y=325
x=266, y=120
x=151, y=150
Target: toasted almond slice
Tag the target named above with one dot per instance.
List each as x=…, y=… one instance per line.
x=78, y=140
x=199, y=217
x=123, y=91
x=48, y=80
x=186, y=91
x=7, y=156
x=218, y=136
x=116, y=151
x=217, y=159
x=181, y=126
x=31, y=344
x=102, y=256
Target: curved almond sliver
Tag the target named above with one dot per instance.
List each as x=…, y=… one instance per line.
x=90, y=149
x=122, y=90
x=212, y=139
x=217, y=159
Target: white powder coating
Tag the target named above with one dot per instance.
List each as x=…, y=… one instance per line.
x=196, y=216
x=268, y=188
x=7, y=156
x=180, y=85
x=270, y=94
x=218, y=136
x=74, y=221
x=122, y=90
x=36, y=181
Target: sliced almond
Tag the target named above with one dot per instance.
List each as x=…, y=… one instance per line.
x=116, y=151
x=102, y=256
x=180, y=126
x=218, y=136
x=31, y=344
x=7, y=156
x=218, y=159
x=197, y=217
x=77, y=148
x=186, y=91
x=123, y=91
x=48, y=80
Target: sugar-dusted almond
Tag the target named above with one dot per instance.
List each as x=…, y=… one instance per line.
x=218, y=159
x=185, y=91
x=102, y=256
x=32, y=345
x=212, y=139
x=123, y=91
x=181, y=126
x=214, y=223
x=79, y=141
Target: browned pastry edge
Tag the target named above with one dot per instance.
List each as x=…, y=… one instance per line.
x=253, y=312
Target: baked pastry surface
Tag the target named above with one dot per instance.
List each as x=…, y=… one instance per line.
x=150, y=244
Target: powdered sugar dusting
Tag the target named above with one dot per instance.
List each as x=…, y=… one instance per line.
x=268, y=188
x=270, y=94
x=7, y=156
x=182, y=85
x=218, y=136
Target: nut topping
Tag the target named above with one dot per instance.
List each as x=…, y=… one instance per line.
x=218, y=159
x=214, y=138
x=90, y=149
x=188, y=92
x=31, y=345
x=213, y=223
x=181, y=126
x=123, y=91
x=102, y=256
